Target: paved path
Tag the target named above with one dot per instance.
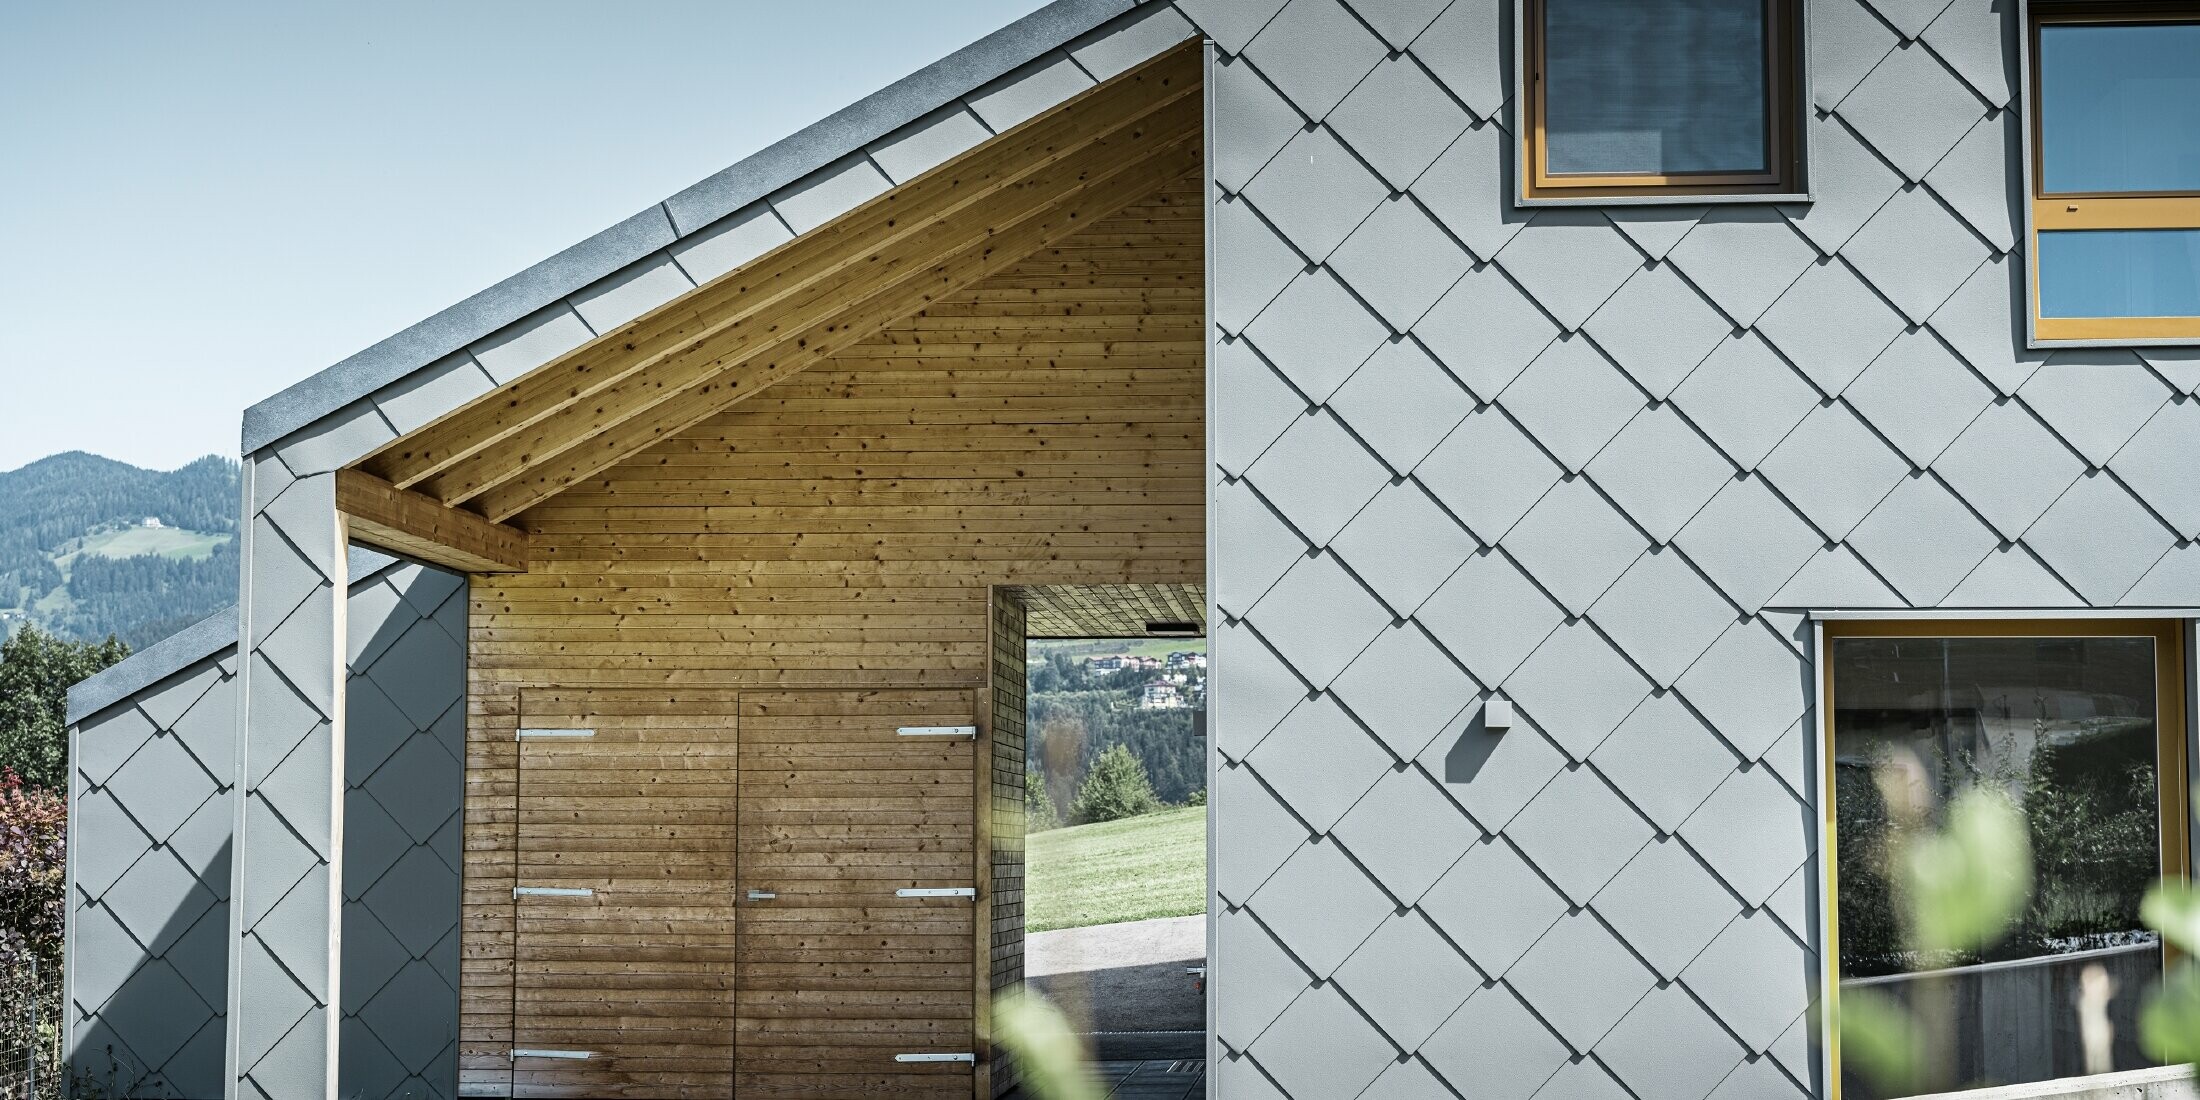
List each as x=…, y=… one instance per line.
x=1184, y=1079
x=1122, y=977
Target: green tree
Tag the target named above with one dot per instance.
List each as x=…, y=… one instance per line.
x=36, y=670
x=1116, y=787
x=1039, y=812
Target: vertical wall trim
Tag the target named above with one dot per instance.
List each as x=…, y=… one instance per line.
x=290, y=625
x=70, y=845
x=1829, y=953
x=1209, y=475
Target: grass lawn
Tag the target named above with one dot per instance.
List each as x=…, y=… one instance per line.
x=1134, y=869
x=168, y=542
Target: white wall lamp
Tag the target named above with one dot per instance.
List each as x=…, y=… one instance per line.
x=1497, y=714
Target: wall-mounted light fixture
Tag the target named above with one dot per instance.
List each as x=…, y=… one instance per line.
x=1173, y=630
x=1497, y=714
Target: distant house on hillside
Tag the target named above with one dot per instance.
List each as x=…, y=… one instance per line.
x=152, y=523
x=1161, y=696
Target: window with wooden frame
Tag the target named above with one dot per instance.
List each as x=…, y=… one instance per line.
x=1648, y=99
x=2080, y=726
x=2115, y=170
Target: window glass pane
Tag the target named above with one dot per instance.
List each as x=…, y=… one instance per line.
x=2120, y=273
x=2065, y=728
x=2120, y=107
x=1636, y=87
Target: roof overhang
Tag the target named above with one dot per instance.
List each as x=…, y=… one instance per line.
x=735, y=336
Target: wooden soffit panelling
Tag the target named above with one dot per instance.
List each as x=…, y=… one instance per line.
x=1108, y=610
x=1019, y=192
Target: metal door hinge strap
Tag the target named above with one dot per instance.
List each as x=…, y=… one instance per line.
x=552, y=892
x=938, y=731
x=939, y=892
x=574, y=1055
x=970, y=1058
x=527, y=733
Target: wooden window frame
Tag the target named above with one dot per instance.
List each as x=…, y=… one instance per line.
x=1783, y=181
x=2173, y=685
x=2080, y=210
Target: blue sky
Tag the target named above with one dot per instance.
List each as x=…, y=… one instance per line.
x=205, y=202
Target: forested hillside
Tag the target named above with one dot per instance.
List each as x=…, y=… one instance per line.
x=77, y=559
x=1073, y=713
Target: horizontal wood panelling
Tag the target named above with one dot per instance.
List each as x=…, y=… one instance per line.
x=859, y=766
x=839, y=531
x=627, y=974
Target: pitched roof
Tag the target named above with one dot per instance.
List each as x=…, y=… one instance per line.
x=690, y=212
x=680, y=216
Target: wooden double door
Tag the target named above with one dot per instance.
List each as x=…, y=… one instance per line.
x=708, y=895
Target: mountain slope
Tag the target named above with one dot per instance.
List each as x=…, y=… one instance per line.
x=77, y=560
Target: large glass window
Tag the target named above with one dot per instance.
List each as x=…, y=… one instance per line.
x=1644, y=97
x=2116, y=171
x=2080, y=727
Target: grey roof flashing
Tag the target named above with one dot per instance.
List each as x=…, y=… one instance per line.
x=141, y=670
x=184, y=648
x=692, y=209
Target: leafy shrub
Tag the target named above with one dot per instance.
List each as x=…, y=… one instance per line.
x=33, y=898
x=1116, y=787
x=36, y=671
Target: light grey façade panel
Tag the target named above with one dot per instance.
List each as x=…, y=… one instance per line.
x=1762, y=512
x=152, y=789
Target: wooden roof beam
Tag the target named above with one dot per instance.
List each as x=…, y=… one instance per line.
x=758, y=348
x=895, y=229
x=408, y=523
x=1129, y=178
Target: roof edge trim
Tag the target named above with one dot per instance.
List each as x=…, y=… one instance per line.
x=119, y=682
x=197, y=642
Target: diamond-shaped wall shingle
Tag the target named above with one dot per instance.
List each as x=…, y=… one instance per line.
x=1408, y=979
x=1912, y=109
x=1666, y=905
x=1318, y=476
x=1581, y=979
x=1743, y=257
x=1315, y=192
x=1660, y=470
x=1407, y=400
x=1494, y=1047
x=1405, y=689
x=1316, y=333
x=1662, y=613
x=1486, y=331
x=1570, y=260
x=1399, y=118
x=1579, y=832
x=1657, y=327
x=1818, y=404
x=1407, y=834
x=1320, y=906
x=1404, y=545
x=1746, y=399
x=1573, y=400
x=1575, y=543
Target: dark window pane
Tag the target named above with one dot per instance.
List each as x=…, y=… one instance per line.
x=2065, y=727
x=1637, y=87
x=2120, y=273
x=2120, y=107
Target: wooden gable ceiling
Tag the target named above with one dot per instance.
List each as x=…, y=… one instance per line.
x=1016, y=194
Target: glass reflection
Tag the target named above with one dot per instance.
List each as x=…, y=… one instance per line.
x=2065, y=727
x=1635, y=87
x=2119, y=107
x=2120, y=273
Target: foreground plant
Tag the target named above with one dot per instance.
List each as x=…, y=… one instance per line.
x=1048, y=1052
